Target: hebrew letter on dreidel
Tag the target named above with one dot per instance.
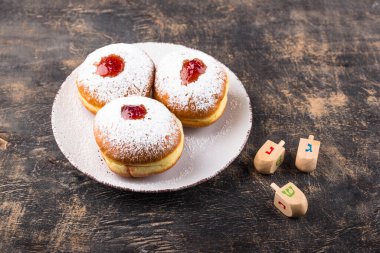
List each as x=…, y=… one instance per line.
x=309, y=148
x=288, y=191
x=280, y=160
x=270, y=151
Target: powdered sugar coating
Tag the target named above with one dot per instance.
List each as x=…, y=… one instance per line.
x=201, y=95
x=137, y=141
x=135, y=79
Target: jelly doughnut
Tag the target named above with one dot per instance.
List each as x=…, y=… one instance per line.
x=138, y=136
x=114, y=71
x=193, y=86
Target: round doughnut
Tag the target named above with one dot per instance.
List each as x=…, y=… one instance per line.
x=193, y=86
x=138, y=136
x=114, y=71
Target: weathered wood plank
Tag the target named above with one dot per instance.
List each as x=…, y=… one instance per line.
x=310, y=67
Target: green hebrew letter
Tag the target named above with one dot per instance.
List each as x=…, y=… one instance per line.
x=288, y=191
x=279, y=160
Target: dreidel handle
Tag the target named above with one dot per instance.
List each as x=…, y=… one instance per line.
x=281, y=143
x=311, y=137
x=274, y=187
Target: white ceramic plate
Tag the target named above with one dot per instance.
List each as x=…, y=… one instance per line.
x=207, y=150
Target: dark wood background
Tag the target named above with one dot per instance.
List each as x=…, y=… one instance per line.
x=310, y=67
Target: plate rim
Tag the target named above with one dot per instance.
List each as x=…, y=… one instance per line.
x=157, y=190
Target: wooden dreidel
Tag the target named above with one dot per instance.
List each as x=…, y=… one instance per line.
x=307, y=154
x=269, y=157
x=290, y=200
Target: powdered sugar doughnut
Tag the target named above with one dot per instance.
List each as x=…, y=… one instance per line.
x=193, y=86
x=138, y=136
x=114, y=71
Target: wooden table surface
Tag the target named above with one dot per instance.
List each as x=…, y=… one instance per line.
x=309, y=67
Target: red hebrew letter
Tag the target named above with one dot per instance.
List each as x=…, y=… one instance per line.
x=270, y=151
x=283, y=206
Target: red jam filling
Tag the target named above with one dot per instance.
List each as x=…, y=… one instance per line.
x=191, y=70
x=133, y=112
x=110, y=66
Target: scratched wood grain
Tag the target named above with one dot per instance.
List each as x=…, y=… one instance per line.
x=310, y=67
